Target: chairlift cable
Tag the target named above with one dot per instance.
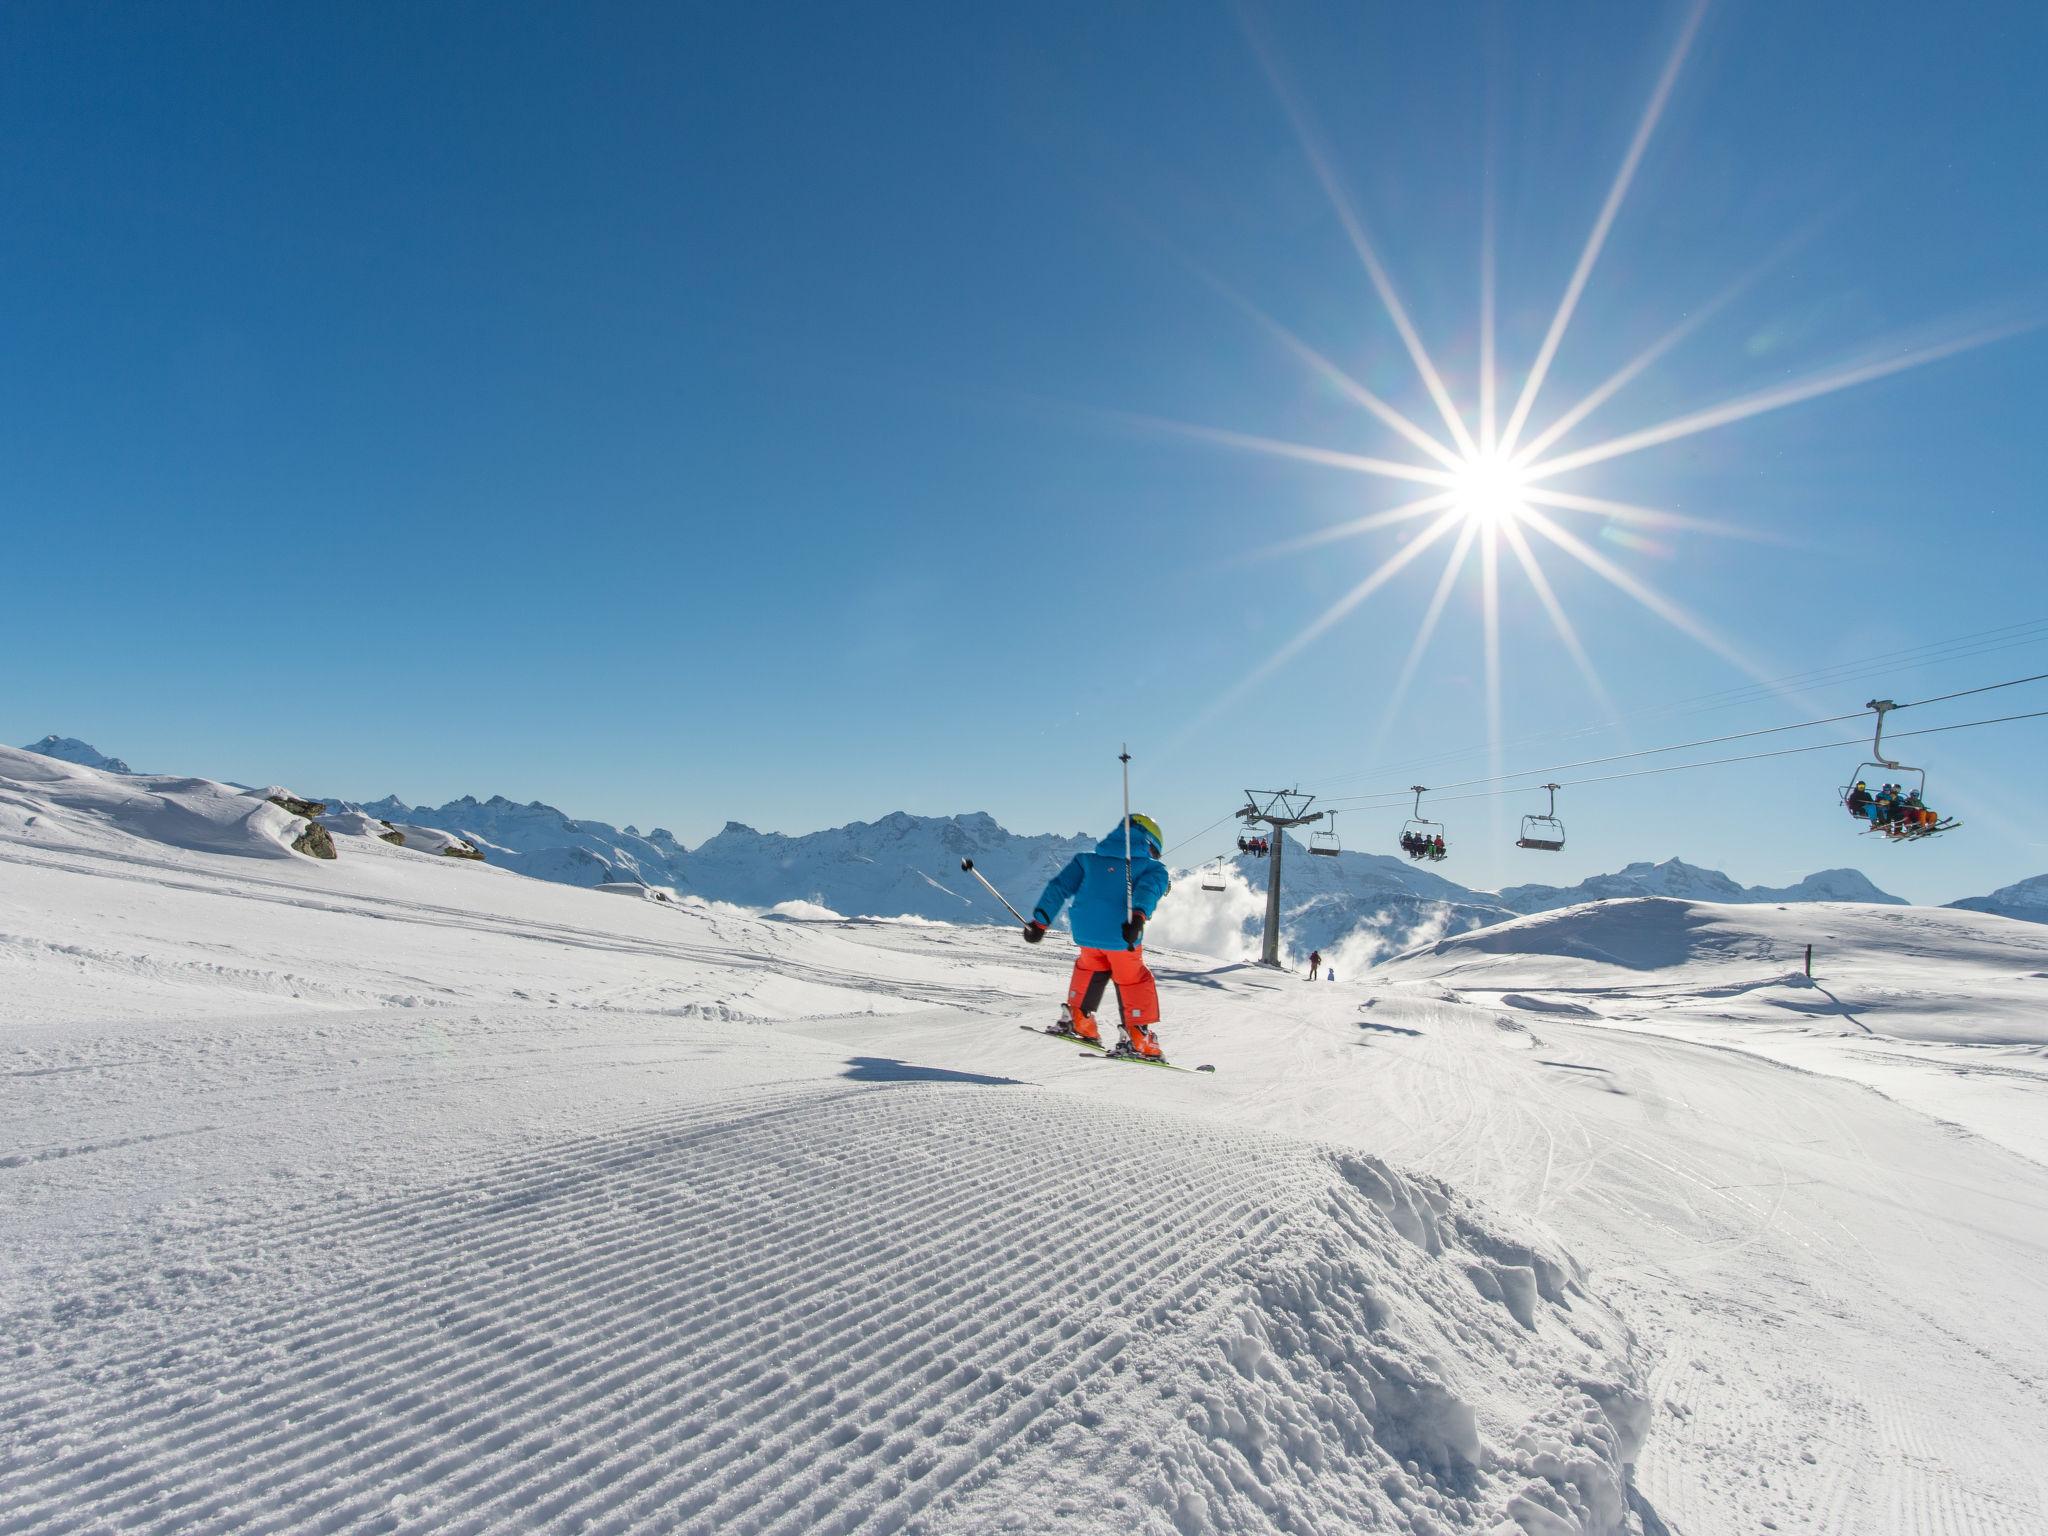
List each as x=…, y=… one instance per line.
x=2002, y=638
x=1394, y=796
x=1750, y=757
x=1943, y=698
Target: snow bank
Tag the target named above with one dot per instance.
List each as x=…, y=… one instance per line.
x=357, y=824
x=433, y=840
x=805, y=911
x=46, y=800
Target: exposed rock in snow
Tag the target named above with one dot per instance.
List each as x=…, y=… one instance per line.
x=70, y=749
x=315, y=841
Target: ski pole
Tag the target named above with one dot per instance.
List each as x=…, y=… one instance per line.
x=1130, y=905
x=968, y=865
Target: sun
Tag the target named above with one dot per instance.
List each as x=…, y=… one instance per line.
x=1487, y=491
x=1489, y=487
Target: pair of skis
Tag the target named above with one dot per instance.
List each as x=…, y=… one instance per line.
x=1101, y=1052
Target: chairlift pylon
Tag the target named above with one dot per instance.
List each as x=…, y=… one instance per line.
x=1895, y=830
x=1419, y=835
x=1324, y=840
x=1544, y=833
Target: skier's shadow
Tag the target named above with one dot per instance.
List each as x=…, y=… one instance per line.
x=885, y=1069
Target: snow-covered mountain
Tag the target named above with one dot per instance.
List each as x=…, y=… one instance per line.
x=1356, y=907
x=2026, y=900
x=1688, y=882
x=900, y=866
x=538, y=840
x=69, y=749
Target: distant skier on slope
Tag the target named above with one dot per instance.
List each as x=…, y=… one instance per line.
x=1111, y=937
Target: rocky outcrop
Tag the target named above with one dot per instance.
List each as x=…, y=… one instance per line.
x=315, y=842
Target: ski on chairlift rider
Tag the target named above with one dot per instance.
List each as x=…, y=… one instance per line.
x=1111, y=936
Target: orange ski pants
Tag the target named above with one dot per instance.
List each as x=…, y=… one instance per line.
x=1137, y=993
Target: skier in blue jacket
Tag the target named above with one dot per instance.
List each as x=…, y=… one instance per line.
x=1111, y=935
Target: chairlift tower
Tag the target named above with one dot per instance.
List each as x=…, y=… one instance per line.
x=1278, y=809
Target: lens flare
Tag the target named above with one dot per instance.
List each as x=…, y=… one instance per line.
x=1499, y=484
x=1488, y=491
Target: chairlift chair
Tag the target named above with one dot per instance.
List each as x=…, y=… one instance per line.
x=1212, y=876
x=1892, y=831
x=1419, y=826
x=1544, y=833
x=1325, y=841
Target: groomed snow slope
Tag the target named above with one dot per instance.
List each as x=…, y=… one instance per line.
x=488, y=1204
x=905, y=1302
x=400, y=1193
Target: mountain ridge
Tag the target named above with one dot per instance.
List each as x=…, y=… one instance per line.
x=1358, y=907
x=2025, y=901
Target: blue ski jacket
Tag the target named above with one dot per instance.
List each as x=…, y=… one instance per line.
x=1094, y=882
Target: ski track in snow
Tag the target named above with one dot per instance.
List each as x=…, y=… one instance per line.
x=401, y=1194
x=835, y=1311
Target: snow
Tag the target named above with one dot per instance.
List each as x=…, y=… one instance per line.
x=634, y=891
x=49, y=800
x=1675, y=877
x=804, y=911
x=2026, y=900
x=1945, y=1010
x=70, y=749
x=1357, y=907
x=541, y=841
x=406, y=1193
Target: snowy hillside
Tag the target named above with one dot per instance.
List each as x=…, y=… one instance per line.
x=397, y=1192
x=55, y=803
x=70, y=749
x=393, y=1193
x=1944, y=1009
x=2025, y=900
x=1675, y=877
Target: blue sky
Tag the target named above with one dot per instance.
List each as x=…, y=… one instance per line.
x=682, y=413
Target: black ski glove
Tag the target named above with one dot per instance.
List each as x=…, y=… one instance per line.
x=1033, y=932
x=1134, y=930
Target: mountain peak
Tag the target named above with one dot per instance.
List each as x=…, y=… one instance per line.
x=69, y=749
x=2026, y=900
